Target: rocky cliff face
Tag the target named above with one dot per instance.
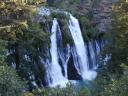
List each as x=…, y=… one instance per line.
x=80, y=7
x=100, y=9
x=102, y=14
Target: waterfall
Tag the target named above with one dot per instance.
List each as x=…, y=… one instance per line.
x=75, y=61
x=80, y=47
x=55, y=71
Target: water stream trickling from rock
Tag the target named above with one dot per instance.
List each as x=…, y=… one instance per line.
x=81, y=50
x=55, y=71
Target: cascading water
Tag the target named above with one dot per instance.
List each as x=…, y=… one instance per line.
x=76, y=57
x=92, y=54
x=55, y=71
x=80, y=47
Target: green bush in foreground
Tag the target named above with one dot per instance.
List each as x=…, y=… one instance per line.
x=67, y=91
x=10, y=83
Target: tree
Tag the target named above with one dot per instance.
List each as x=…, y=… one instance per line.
x=10, y=82
x=117, y=87
x=24, y=37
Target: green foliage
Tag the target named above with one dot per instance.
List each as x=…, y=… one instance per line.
x=83, y=92
x=117, y=88
x=72, y=6
x=24, y=35
x=10, y=83
x=35, y=2
x=27, y=2
x=2, y=52
x=88, y=30
x=59, y=15
x=118, y=35
x=109, y=85
x=67, y=91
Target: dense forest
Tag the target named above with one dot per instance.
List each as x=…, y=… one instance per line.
x=25, y=39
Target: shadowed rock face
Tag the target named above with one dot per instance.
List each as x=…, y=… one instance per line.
x=72, y=72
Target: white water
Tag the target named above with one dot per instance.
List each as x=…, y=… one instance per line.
x=65, y=58
x=81, y=50
x=56, y=75
x=92, y=54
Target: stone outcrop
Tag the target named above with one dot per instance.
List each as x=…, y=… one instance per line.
x=102, y=14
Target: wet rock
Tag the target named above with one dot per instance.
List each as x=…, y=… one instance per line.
x=72, y=72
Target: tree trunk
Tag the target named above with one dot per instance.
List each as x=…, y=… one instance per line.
x=17, y=56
